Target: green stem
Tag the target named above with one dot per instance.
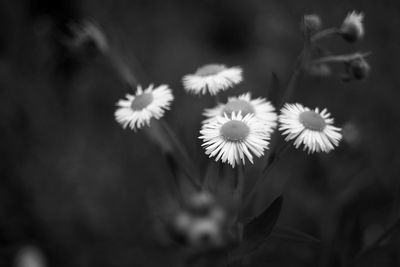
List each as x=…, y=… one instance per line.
x=122, y=68
x=187, y=164
x=324, y=34
x=239, y=181
x=341, y=58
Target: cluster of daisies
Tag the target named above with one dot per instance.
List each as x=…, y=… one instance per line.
x=239, y=129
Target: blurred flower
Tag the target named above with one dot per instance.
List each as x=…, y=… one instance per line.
x=205, y=232
x=352, y=28
x=319, y=70
x=212, y=78
x=311, y=127
x=351, y=133
x=260, y=107
x=312, y=22
x=88, y=33
x=137, y=110
x=358, y=68
x=201, y=222
x=232, y=138
x=30, y=256
x=200, y=203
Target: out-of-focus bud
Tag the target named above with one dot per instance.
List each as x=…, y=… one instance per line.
x=320, y=70
x=201, y=203
x=358, y=68
x=30, y=256
x=205, y=232
x=182, y=221
x=88, y=34
x=352, y=28
x=312, y=22
x=351, y=134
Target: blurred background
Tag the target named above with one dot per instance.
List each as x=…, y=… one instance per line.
x=74, y=186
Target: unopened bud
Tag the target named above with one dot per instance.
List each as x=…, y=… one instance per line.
x=312, y=22
x=201, y=203
x=352, y=28
x=320, y=70
x=87, y=34
x=358, y=68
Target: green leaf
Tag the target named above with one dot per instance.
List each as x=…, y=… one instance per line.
x=259, y=228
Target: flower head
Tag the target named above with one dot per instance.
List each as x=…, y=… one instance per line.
x=232, y=138
x=136, y=110
x=352, y=28
x=212, y=78
x=312, y=22
x=312, y=128
x=259, y=107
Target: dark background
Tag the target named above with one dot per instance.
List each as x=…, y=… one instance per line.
x=75, y=185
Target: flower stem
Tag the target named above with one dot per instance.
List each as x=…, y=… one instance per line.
x=324, y=34
x=182, y=155
x=341, y=58
x=239, y=181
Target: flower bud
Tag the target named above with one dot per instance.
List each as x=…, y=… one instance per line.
x=312, y=22
x=351, y=134
x=88, y=34
x=200, y=204
x=352, y=28
x=358, y=68
x=205, y=232
x=320, y=70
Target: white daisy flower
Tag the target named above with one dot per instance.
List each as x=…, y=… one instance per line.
x=212, y=78
x=352, y=28
x=312, y=128
x=260, y=107
x=136, y=110
x=232, y=138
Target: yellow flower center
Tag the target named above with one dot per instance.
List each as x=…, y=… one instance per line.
x=238, y=105
x=235, y=131
x=312, y=121
x=210, y=69
x=142, y=101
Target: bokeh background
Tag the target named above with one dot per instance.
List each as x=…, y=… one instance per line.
x=74, y=186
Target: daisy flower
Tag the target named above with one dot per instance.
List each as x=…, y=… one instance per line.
x=352, y=28
x=233, y=138
x=136, y=110
x=312, y=128
x=260, y=107
x=212, y=78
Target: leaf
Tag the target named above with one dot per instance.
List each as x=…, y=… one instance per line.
x=259, y=228
x=290, y=234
